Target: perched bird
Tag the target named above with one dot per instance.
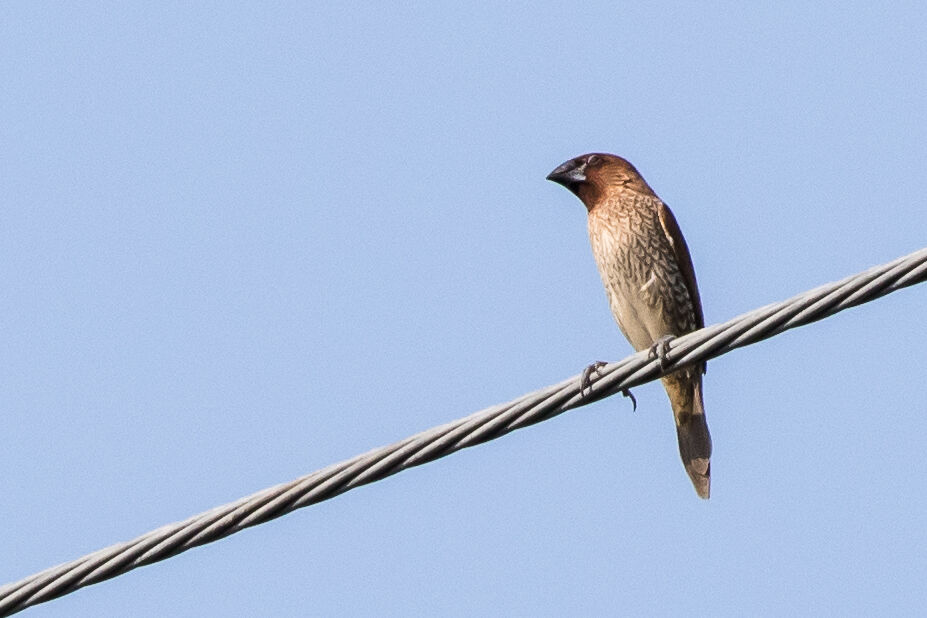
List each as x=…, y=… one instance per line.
x=647, y=271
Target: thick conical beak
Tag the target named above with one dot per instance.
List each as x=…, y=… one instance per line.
x=570, y=173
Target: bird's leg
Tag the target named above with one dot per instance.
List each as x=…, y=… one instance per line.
x=660, y=350
x=586, y=381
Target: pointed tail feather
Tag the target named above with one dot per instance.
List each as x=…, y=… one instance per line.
x=691, y=430
x=695, y=450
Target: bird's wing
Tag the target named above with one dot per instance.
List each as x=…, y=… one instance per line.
x=683, y=259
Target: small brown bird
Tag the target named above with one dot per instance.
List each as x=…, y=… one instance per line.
x=647, y=271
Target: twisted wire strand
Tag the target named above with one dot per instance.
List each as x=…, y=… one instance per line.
x=482, y=426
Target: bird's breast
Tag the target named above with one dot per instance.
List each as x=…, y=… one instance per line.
x=639, y=272
x=626, y=246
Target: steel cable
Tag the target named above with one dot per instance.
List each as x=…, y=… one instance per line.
x=477, y=428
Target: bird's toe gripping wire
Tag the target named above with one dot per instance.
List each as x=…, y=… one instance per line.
x=586, y=382
x=660, y=350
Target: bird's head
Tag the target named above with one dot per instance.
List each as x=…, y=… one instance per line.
x=596, y=176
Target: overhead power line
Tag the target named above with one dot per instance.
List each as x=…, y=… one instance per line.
x=477, y=428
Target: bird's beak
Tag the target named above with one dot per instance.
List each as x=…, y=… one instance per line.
x=569, y=174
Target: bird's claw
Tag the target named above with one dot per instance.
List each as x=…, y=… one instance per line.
x=627, y=393
x=660, y=350
x=586, y=380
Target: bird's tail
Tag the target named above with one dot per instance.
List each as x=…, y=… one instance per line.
x=685, y=393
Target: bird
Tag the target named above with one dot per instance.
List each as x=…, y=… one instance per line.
x=649, y=280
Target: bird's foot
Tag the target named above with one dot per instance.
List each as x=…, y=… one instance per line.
x=660, y=350
x=586, y=381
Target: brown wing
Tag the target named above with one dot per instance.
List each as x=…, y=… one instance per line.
x=676, y=240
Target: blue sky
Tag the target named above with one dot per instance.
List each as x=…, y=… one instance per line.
x=241, y=242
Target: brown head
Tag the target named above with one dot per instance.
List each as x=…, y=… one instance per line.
x=596, y=176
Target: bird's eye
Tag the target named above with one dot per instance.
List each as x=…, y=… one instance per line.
x=592, y=160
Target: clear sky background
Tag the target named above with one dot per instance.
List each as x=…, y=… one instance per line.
x=241, y=242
